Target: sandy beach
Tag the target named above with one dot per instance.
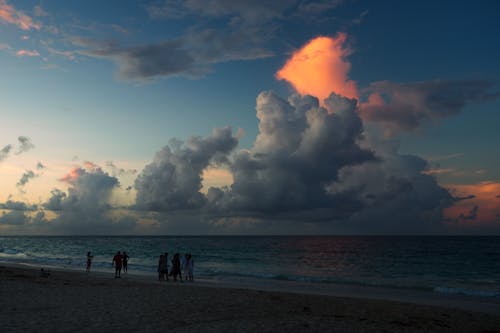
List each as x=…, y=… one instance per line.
x=96, y=302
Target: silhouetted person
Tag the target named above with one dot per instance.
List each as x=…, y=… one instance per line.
x=117, y=262
x=176, y=267
x=125, y=258
x=89, y=261
x=189, y=268
x=162, y=267
x=166, y=265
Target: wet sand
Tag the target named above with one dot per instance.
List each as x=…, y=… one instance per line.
x=96, y=302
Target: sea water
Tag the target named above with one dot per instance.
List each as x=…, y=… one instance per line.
x=461, y=265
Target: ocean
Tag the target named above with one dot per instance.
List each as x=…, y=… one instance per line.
x=448, y=264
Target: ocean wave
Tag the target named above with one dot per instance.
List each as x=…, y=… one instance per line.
x=467, y=292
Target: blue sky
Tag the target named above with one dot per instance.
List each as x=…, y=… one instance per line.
x=114, y=81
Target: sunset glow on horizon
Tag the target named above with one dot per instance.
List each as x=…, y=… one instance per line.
x=193, y=118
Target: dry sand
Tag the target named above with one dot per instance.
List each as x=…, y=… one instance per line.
x=80, y=302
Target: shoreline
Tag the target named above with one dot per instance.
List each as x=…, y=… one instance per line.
x=100, y=302
x=470, y=303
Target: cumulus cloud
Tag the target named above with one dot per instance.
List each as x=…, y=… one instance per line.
x=407, y=106
x=397, y=195
x=85, y=207
x=173, y=180
x=299, y=151
x=8, y=14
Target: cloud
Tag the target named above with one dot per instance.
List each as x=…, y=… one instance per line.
x=118, y=172
x=191, y=55
x=173, y=180
x=149, y=61
x=27, y=53
x=40, y=166
x=39, y=11
x=299, y=151
x=311, y=167
x=14, y=217
x=25, y=178
x=25, y=144
x=85, y=207
x=10, y=15
x=407, y=106
x=396, y=194
x=476, y=203
x=4, y=152
x=17, y=205
x=319, y=68
x=250, y=11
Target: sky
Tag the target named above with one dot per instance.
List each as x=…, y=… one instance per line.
x=249, y=117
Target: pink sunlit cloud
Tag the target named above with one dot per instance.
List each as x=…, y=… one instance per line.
x=10, y=15
x=320, y=68
x=27, y=53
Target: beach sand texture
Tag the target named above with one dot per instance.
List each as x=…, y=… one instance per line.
x=80, y=302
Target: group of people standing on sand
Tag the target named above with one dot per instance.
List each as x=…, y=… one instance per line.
x=179, y=265
x=120, y=260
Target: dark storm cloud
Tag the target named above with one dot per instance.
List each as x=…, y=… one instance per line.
x=25, y=144
x=298, y=152
x=14, y=217
x=406, y=106
x=311, y=168
x=396, y=194
x=173, y=180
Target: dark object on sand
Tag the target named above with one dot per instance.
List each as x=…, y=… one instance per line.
x=44, y=273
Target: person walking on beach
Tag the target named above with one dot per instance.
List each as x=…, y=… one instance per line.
x=125, y=258
x=162, y=267
x=166, y=265
x=89, y=261
x=176, y=267
x=117, y=262
x=189, y=268
x=184, y=260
